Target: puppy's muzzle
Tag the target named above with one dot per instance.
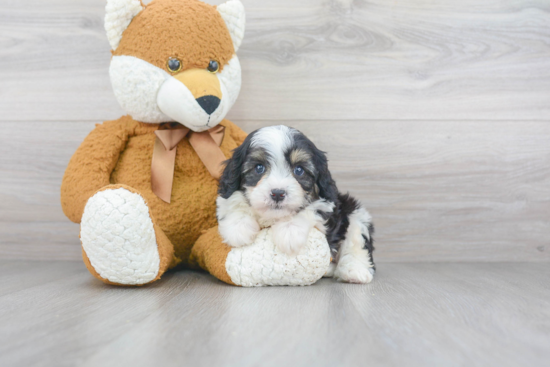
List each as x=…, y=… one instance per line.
x=278, y=195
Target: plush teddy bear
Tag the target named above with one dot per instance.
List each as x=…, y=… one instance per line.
x=143, y=187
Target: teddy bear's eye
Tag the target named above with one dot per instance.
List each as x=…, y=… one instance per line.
x=213, y=66
x=174, y=65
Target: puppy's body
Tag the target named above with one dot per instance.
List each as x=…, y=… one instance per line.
x=278, y=178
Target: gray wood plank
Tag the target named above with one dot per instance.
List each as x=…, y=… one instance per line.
x=424, y=314
x=40, y=240
x=453, y=191
x=62, y=321
x=16, y=275
x=336, y=59
x=468, y=304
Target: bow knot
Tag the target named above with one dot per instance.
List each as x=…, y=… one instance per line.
x=206, y=144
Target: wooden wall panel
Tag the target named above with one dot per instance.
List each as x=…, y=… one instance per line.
x=308, y=59
x=452, y=191
x=435, y=114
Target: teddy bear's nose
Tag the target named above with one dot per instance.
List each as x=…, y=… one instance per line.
x=209, y=103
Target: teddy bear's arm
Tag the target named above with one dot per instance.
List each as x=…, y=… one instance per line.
x=91, y=166
x=235, y=132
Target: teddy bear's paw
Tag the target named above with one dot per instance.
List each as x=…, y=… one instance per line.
x=119, y=239
x=263, y=264
x=351, y=270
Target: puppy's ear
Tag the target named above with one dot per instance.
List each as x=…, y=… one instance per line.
x=232, y=174
x=325, y=183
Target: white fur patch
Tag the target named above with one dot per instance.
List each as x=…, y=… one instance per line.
x=330, y=271
x=234, y=16
x=119, y=14
x=237, y=223
x=231, y=80
x=275, y=140
x=118, y=237
x=354, y=265
x=292, y=234
x=262, y=264
x=136, y=84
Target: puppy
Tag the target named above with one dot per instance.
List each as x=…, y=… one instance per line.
x=278, y=178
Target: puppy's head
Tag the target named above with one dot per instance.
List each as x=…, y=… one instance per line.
x=280, y=171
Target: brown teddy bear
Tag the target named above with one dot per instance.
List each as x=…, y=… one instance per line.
x=143, y=187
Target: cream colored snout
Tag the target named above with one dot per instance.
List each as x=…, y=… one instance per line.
x=192, y=98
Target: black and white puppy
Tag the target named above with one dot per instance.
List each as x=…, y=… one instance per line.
x=278, y=178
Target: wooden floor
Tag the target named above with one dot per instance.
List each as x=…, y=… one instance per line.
x=415, y=314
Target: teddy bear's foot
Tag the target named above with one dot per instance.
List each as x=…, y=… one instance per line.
x=118, y=236
x=262, y=263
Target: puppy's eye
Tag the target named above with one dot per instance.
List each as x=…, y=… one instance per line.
x=213, y=66
x=260, y=168
x=174, y=65
x=298, y=171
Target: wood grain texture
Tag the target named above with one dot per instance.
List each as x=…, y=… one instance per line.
x=435, y=114
x=438, y=191
x=333, y=59
x=468, y=314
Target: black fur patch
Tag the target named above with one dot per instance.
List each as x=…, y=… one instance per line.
x=322, y=186
x=338, y=223
x=250, y=177
x=231, y=179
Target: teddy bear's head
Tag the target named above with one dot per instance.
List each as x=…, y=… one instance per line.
x=175, y=60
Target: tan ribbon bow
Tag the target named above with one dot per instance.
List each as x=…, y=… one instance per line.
x=206, y=145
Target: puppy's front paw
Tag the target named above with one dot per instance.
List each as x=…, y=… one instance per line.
x=290, y=237
x=350, y=270
x=238, y=231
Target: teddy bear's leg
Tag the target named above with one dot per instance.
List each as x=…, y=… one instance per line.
x=210, y=253
x=261, y=263
x=121, y=244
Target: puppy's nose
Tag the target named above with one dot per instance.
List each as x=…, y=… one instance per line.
x=278, y=195
x=209, y=103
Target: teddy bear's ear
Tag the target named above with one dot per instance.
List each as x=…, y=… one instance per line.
x=119, y=15
x=233, y=14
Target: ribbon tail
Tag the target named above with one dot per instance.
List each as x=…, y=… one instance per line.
x=162, y=171
x=218, y=134
x=209, y=152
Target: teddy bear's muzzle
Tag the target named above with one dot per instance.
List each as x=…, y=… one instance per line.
x=209, y=103
x=192, y=98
